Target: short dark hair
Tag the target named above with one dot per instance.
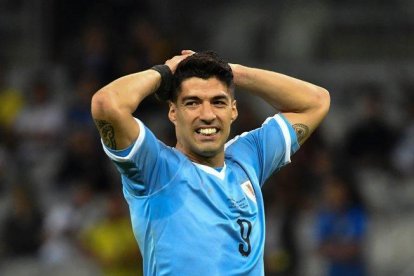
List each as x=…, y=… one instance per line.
x=203, y=65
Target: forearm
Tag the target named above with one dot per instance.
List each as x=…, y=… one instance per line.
x=303, y=104
x=113, y=105
x=287, y=94
x=125, y=94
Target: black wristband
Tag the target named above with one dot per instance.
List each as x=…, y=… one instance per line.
x=163, y=92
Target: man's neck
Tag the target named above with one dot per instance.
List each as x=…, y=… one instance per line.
x=216, y=161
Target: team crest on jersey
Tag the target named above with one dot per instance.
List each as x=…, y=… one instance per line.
x=248, y=190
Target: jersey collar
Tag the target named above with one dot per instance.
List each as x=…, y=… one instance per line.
x=220, y=174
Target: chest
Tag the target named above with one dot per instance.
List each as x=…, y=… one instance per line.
x=230, y=191
x=207, y=196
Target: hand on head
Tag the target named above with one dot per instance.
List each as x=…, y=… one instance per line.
x=174, y=61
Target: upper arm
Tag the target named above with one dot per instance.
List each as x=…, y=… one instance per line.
x=304, y=123
x=117, y=128
x=147, y=165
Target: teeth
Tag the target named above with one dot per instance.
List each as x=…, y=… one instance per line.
x=208, y=131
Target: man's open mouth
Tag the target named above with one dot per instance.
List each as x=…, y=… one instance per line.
x=207, y=131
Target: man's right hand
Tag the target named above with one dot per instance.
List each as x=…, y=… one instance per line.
x=174, y=61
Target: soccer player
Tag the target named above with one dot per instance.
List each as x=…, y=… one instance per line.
x=197, y=208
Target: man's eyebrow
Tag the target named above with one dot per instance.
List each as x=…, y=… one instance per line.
x=220, y=97
x=193, y=97
x=186, y=98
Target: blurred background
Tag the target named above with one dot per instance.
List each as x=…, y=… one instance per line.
x=345, y=206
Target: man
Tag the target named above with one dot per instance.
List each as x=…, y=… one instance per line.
x=197, y=208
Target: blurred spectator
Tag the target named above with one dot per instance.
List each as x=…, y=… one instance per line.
x=370, y=140
x=403, y=154
x=147, y=43
x=64, y=222
x=284, y=206
x=11, y=101
x=282, y=250
x=78, y=114
x=96, y=51
x=288, y=194
x=82, y=162
x=40, y=123
x=111, y=242
x=341, y=227
x=93, y=53
x=8, y=170
x=38, y=129
x=21, y=229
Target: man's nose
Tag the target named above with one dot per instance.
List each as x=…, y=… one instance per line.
x=207, y=113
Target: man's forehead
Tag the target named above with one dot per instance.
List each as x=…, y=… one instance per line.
x=198, y=87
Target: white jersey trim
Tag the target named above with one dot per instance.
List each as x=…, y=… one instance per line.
x=220, y=174
x=285, y=131
x=134, y=149
x=234, y=140
x=286, y=135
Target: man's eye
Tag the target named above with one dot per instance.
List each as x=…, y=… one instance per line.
x=190, y=103
x=220, y=103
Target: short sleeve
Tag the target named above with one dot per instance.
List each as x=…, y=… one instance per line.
x=147, y=166
x=267, y=148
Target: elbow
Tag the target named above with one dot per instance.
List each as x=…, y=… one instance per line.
x=102, y=106
x=323, y=100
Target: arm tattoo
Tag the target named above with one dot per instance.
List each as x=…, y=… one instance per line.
x=107, y=133
x=302, y=132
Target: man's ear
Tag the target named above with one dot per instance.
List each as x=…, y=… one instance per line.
x=234, y=111
x=172, y=112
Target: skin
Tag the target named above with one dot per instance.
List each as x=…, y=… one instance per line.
x=302, y=103
x=112, y=105
x=203, y=104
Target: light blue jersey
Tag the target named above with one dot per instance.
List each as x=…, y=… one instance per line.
x=191, y=219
